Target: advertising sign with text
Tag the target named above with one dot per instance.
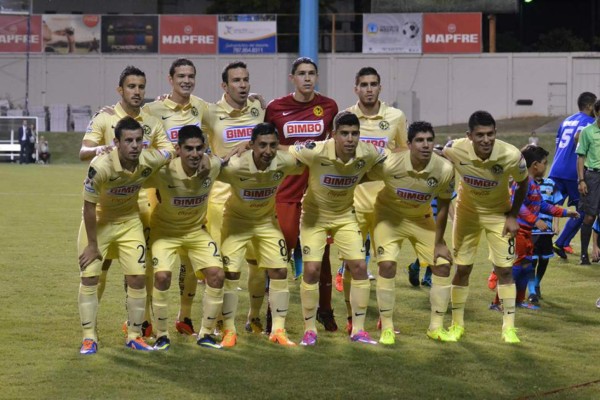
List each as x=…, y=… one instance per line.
x=247, y=34
x=452, y=33
x=13, y=34
x=130, y=34
x=183, y=34
x=392, y=33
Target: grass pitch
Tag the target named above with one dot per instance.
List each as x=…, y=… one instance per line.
x=40, y=212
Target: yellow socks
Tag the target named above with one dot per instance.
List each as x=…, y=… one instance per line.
x=309, y=295
x=160, y=307
x=88, y=309
x=136, y=299
x=187, y=286
x=439, y=297
x=386, y=297
x=507, y=295
x=279, y=299
x=459, y=296
x=212, y=305
x=359, y=300
x=230, y=303
x=256, y=289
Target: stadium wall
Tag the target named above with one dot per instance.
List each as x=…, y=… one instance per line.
x=443, y=89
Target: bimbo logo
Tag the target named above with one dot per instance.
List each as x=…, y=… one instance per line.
x=411, y=195
x=258, y=194
x=173, y=133
x=339, y=182
x=479, y=183
x=237, y=133
x=191, y=201
x=303, y=128
x=377, y=141
x=124, y=190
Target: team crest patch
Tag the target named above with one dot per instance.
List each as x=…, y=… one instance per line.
x=91, y=173
x=306, y=250
x=146, y=172
x=254, y=112
x=154, y=261
x=206, y=183
x=146, y=129
x=277, y=175
x=380, y=251
x=432, y=182
x=194, y=111
x=226, y=260
x=384, y=125
x=360, y=164
x=318, y=111
x=497, y=169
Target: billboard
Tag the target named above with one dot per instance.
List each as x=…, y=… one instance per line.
x=247, y=34
x=452, y=33
x=392, y=33
x=182, y=34
x=129, y=34
x=65, y=34
x=13, y=34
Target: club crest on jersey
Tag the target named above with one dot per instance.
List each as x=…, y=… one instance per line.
x=191, y=201
x=376, y=141
x=194, y=111
x=146, y=172
x=154, y=261
x=479, y=183
x=360, y=164
x=146, y=129
x=432, y=182
x=318, y=111
x=384, y=125
x=237, y=133
x=206, y=183
x=306, y=250
x=124, y=190
x=338, y=181
x=91, y=173
x=412, y=195
x=277, y=176
x=380, y=251
x=226, y=260
x=497, y=169
x=254, y=112
x=300, y=129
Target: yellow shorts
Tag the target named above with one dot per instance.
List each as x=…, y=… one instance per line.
x=389, y=235
x=198, y=245
x=466, y=234
x=344, y=230
x=127, y=238
x=214, y=225
x=265, y=236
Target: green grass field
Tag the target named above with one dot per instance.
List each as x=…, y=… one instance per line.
x=40, y=212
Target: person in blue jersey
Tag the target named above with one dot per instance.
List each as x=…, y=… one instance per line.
x=564, y=167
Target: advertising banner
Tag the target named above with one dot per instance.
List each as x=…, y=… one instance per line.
x=247, y=34
x=129, y=34
x=392, y=33
x=64, y=34
x=13, y=34
x=182, y=34
x=452, y=33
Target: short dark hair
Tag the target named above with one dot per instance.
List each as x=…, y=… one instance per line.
x=417, y=127
x=481, y=118
x=585, y=99
x=231, y=65
x=180, y=62
x=597, y=108
x=188, y=132
x=345, y=118
x=127, y=124
x=364, y=71
x=532, y=153
x=303, y=60
x=264, y=128
x=130, y=70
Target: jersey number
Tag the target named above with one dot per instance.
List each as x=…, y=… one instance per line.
x=565, y=138
x=511, y=247
x=216, y=252
x=142, y=258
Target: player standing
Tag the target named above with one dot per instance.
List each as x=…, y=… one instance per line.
x=111, y=218
x=484, y=166
x=300, y=116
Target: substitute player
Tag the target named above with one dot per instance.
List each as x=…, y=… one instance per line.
x=228, y=123
x=111, y=218
x=249, y=217
x=98, y=139
x=403, y=211
x=336, y=166
x=178, y=225
x=484, y=166
x=176, y=110
x=300, y=116
x=384, y=126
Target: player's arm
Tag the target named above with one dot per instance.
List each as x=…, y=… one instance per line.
x=441, y=249
x=90, y=149
x=162, y=142
x=91, y=251
x=511, y=226
x=581, y=185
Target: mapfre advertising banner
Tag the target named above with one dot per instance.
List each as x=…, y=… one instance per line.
x=129, y=34
x=182, y=34
x=13, y=34
x=452, y=33
x=392, y=33
x=247, y=34
x=71, y=34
